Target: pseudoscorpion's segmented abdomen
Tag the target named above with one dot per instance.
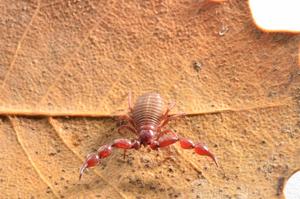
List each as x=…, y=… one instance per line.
x=148, y=110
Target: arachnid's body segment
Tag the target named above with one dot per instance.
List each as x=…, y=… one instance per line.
x=146, y=119
x=148, y=110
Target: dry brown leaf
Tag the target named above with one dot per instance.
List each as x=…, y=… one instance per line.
x=240, y=88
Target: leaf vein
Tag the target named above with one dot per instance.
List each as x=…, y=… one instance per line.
x=29, y=158
x=19, y=45
x=64, y=67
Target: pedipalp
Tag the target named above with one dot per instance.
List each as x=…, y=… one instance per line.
x=104, y=151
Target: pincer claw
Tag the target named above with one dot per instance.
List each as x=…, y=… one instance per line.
x=82, y=169
x=91, y=161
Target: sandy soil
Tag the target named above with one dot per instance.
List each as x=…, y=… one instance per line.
x=239, y=85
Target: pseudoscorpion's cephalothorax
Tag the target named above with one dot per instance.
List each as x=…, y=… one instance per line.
x=146, y=120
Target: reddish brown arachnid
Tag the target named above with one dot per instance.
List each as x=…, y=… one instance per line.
x=146, y=120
